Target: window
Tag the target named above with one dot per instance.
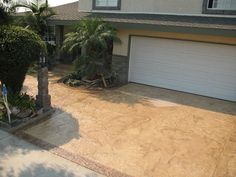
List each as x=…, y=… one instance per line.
x=50, y=36
x=106, y=4
x=227, y=7
x=222, y=4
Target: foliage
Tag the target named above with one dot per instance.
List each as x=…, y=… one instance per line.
x=35, y=18
x=33, y=69
x=51, y=49
x=19, y=47
x=95, y=38
x=22, y=101
x=3, y=110
x=38, y=11
x=5, y=17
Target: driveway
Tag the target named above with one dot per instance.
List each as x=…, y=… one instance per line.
x=138, y=130
x=21, y=159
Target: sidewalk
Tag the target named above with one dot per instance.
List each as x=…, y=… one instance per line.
x=21, y=159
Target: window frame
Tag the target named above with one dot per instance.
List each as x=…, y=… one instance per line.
x=206, y=10
x=118, y=7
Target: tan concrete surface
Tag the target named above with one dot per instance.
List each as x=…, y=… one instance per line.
x=142, y=130
x=21, y=159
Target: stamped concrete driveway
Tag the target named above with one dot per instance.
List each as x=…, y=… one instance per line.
x=141, y=131
x=21, y=159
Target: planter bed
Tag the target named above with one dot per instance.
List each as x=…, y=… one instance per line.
x=22, y=123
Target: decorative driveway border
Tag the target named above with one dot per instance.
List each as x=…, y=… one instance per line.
x=87, y=163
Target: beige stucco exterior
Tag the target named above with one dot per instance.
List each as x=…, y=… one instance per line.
x=123, y=34
x=157, y=7
x=85, y=5
x=153, y=6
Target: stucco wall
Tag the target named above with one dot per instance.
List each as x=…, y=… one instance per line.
x=123, y=34
x=85, y=5
x=153, y=6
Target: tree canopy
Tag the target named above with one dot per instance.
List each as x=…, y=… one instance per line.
x=36, y=15
x=19, y=47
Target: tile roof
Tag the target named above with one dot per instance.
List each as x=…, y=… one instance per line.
x=68, y=11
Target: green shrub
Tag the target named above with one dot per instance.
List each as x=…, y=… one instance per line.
x=19, y=47
x=5, y=16
x=22, y=101
x=3, y=110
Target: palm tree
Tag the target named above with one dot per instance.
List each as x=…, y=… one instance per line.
x=95, y=38
x=37, y=13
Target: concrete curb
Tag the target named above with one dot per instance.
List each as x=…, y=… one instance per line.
x=31, y=122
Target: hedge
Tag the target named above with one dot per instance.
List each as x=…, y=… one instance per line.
x=19, y=47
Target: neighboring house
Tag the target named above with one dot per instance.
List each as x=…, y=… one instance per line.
x=182, y=45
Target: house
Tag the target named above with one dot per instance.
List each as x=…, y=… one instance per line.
x=188, y=46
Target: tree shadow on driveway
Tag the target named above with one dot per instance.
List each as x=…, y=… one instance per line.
x=133, y=93
x=59, y=129
x=22, y=159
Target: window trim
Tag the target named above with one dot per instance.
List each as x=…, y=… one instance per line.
x=118, y=7
x=206, y=10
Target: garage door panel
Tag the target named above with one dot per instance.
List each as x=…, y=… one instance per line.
x=170, y=46
x=187, y=79
x=182, y=65
x=187, y=74
x=179, y=59
x=201, y=68
x=180, y=68
x=177, y=85
x=170, y=84
x=193, y=49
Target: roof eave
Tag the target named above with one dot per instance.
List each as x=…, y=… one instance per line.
x=227, y=32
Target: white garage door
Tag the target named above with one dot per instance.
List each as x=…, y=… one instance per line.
x=195, y=67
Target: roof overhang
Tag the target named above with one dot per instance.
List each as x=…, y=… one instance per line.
x=223, y=26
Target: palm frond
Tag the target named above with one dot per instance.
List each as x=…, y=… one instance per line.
x=95, y=36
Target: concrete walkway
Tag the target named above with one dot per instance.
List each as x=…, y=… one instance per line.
x=21, y=159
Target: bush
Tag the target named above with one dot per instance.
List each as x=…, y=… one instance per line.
x=3, y=110
x=19, y=47
x=5, y=16
x=22, y=101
